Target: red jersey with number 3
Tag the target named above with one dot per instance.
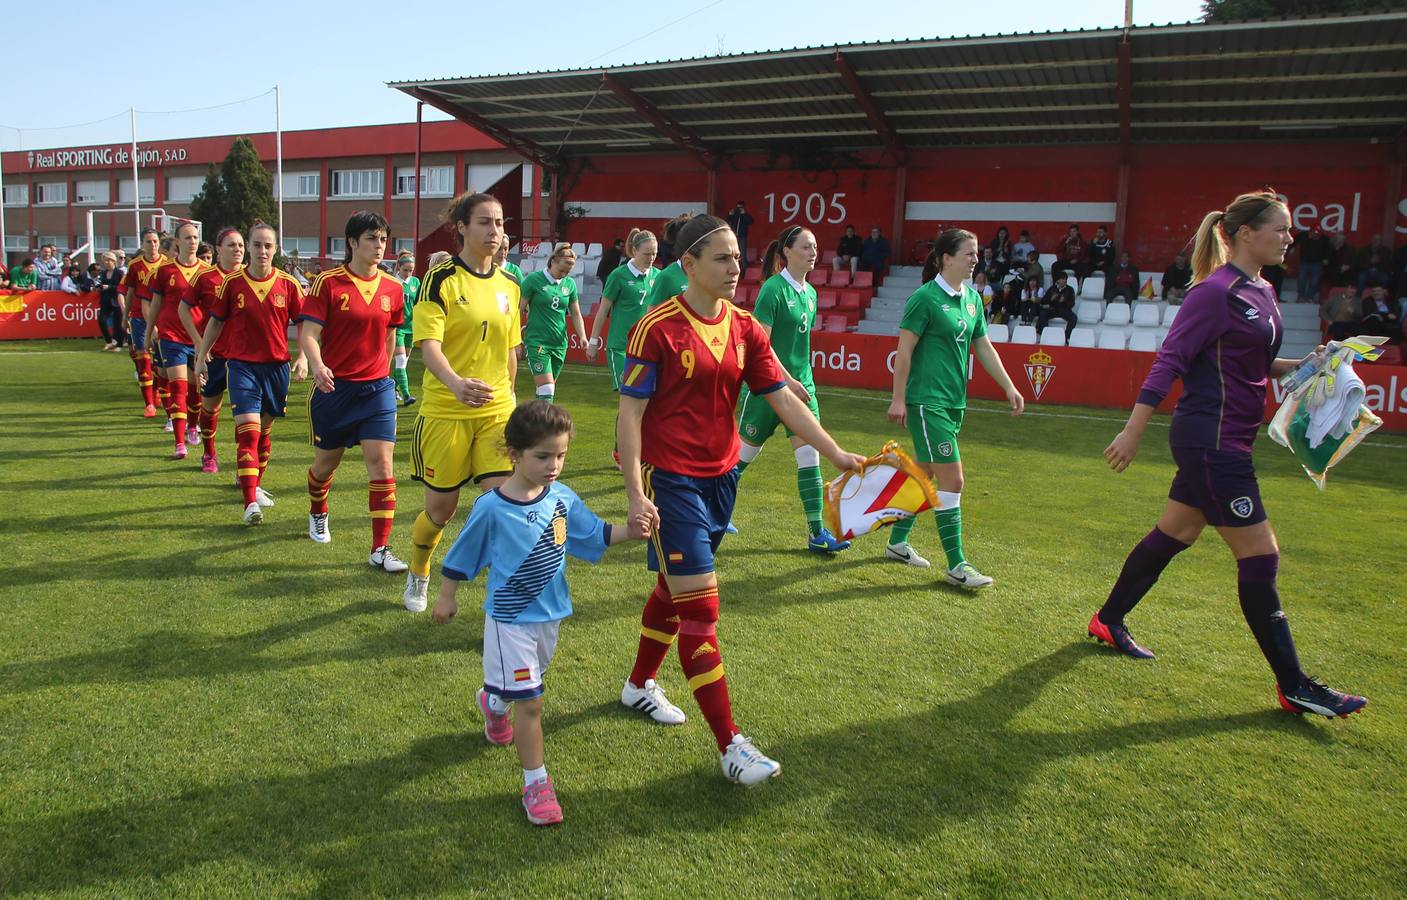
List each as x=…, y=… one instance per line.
x=138, y=279
x=692, y=370
x=207, y=285
x=355, y=314
x=256, y=315
x=176, y=285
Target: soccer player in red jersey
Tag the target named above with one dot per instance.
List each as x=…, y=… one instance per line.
x=249, y=319
x=212, y=387
x=136, y=288
x=173, y=286
x=685, y=365
x=349, y=330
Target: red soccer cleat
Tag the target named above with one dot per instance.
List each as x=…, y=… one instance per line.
x=150, y=412
x=1118, y=637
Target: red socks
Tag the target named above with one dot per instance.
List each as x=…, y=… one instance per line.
x=703, y=662
x=177, y=387
x=247, y=459
x=658, y=627
x=381, y=500
x=193, y=397
x=141, y=361
x=317, y=493
x=163, y=395
x=266, y=443
x=209, y=420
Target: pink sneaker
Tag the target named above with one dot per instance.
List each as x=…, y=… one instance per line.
x=193, y=436
x=540, y=802
x=180, y=452
x=208, y=463
x=497, y=728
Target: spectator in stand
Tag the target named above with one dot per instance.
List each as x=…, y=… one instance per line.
x=1033, y=269
x=25, y=279
x=1176, y=279
x=47, y=269
x=983, y=287
x=1071, y=255
x=1100, y=252
x=1023, y=249
x=1380, y=315
x=740, y=220
x=1124, y=281
x=88, y=281
x=1373, y=273
x=1058, y=303
x=1006, y=305
x=1342, y=312
x=989, y=266
x=110, y=303
x=610, y=260
x=1313, y=250
x=69, y=283
x=1338, y=272
x=1031, y=300
x=1274, y=276
x=1001, y=247
x=4, y=274
x=1375, y=255
x=874, y=253
x=849, y=251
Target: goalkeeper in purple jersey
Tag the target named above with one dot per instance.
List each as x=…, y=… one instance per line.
x=1222, y=345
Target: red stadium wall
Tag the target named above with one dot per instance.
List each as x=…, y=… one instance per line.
x=48, y=314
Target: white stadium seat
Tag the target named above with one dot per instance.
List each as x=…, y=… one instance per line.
x=1146, y=314
x=1116, y=314
x=1169, y=314
x=1082, y=336
x=1024, y=334
x=1092, y=288
x=593, y=251
x=1089, y=311
x=579, y=250
x=998, y=333
x=1053, y=336
x=1113, y=339
x=1144, y=339
x=544, y=249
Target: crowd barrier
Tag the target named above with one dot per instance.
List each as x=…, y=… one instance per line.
x=1073, y=376
x=48, y=314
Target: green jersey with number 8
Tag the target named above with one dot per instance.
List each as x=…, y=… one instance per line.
x=946, y=324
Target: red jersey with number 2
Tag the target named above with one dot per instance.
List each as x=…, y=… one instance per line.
x=355, y=314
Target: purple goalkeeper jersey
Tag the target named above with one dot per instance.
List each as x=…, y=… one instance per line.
x=1221, y=345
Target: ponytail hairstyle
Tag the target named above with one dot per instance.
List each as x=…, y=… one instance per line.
x=1212, y=245
x=637, y=238
x=561, y=250
x=361, y=222
x=694, y=235
x=260, y=223
x=461, y=209
x=950, y=240
x=672, y=227
x=773, y=260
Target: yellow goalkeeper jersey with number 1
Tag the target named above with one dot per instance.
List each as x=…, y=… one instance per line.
x=475, y=318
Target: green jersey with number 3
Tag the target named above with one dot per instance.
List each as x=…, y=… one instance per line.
x=946, y=324
x=547, y=305
x=670, y=282
x=789, y=310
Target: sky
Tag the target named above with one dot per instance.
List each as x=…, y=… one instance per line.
x=84, y=97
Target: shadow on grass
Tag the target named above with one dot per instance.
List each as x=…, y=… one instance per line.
x=358, y=830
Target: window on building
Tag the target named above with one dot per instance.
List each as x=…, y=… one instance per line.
x=435, y=181
x=183, y=188
x=51, y=194
x=92, y=193
x=16, y=195
x=101, y=242
x=337, y=247
x=148, y=190
x=482, y=176
x=127, y=244
x=52, y=239
x=405, y=245
x=301, y=185
x=16, y=243
x=358, y=183
x=305, y=247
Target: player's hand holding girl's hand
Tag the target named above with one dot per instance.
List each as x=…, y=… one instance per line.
x=473, y=392
x=323, y=380
x=645, y=511
x=1122, y=450
x=446, y=608
x=897, y=414
x=300, y=368
x=638, y=527
x=1018, y=402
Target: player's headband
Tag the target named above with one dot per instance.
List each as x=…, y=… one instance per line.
x=705, y=237
x=787, y=235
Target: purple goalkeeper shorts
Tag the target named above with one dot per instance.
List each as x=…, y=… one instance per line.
x=1220, y=483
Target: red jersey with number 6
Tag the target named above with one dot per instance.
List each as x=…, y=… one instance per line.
x=176, y=284
x=692, y=370
x=355, y=315
x=256, y=315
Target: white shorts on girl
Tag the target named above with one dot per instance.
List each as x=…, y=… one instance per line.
x=516, y=657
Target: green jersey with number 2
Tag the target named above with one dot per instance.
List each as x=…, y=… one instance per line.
x=946, y=325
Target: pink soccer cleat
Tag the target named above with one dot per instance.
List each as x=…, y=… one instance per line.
x=540, y=803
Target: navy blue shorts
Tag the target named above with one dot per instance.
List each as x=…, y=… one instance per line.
x=175, y=353
x=1220, y=483
x=355, y=411
x=137, y=329
x=693, y=515
x=257, y=388
x=215, y=377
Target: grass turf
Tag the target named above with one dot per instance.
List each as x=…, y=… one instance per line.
x=191, y=706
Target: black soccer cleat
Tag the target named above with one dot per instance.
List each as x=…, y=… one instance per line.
x=1118, y=637
x=1314, y=696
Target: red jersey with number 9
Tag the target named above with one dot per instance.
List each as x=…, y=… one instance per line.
x=692, y=370
x=355, y=314
x=256, y=315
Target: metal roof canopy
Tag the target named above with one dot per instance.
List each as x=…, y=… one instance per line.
x=1327, y=78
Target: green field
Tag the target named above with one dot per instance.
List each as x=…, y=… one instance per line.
x=189, y=706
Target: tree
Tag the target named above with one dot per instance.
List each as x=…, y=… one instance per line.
x=1240, y=10
x=239, y=193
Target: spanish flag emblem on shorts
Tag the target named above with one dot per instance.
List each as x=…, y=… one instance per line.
x=522, y=675
x=676, y=557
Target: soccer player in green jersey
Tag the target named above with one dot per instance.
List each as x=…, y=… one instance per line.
x=786, y=310
x=500, y=259
x=623, y=299
x=410, y=286
x=547, y=297
x=943, y=322
x=671, y=280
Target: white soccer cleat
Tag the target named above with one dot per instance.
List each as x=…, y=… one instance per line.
x=417, y=590
x=744, y=764
x=382, y=558
x=903, y=553
x=967, y=577
x=253, y=515
x=651, y=700
x=264, y=499
x=317, y=528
